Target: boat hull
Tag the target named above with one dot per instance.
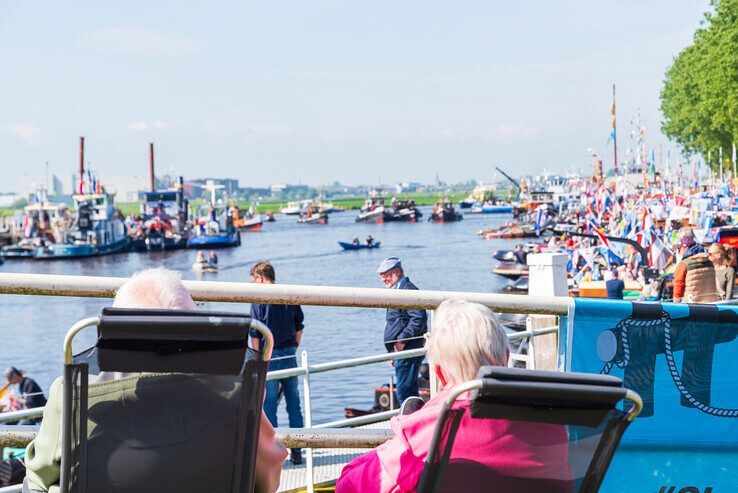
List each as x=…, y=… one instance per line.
x=511, y=271
x=315, y=219
x=351, y=246
x=59, y=251
x=17, y=252
x=224, y=240
x=158, y=243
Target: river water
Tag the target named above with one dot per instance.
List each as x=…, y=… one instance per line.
x=446, y=256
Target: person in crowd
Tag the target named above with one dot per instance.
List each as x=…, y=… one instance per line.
x=29, y=394
x=356, y=241
x=286, y=324
x=369, y=240
x=151, y=288
x=722, y=257
x=213, y=258
x=521, y=256
x=613, y=285
x=404, y=329
x=465, y=337
x=694, y=276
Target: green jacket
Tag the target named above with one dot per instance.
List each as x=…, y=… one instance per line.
x=142, y=430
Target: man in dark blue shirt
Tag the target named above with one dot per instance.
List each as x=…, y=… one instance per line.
x=285, y=322
x=30, y=393
x=404, y=330
x=614, y=286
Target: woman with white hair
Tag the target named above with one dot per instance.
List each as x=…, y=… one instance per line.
x=465, y=337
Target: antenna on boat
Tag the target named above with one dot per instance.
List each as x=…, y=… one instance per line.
x=81, y=162
x=151, y=167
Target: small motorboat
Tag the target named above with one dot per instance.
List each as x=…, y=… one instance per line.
x=358, y=246
x=520, y=286
x=524, y=231
x=269, y=217
x=511, y=271
x=445, y=212
x=313, y=214
x=315, y=218
x=205, y=266
x=247, y=223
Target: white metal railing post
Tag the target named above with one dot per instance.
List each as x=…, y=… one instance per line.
x=432, y=377
x=392, y=393
x=308, y=421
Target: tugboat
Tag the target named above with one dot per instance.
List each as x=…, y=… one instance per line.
x=44, y=223
x=313, y=215
x=375, y=210
x=98, y=227
x=214, y=227
x=444, y=212
x=162, y=223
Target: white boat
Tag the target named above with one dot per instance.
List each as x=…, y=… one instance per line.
x=295, y=208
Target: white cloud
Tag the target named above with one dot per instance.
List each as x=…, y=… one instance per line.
x=509, y=131
x=143, y=41
x=142, y=126
x=24, y=131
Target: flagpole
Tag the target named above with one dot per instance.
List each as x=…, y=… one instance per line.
x=615, y=132
x=721, y=164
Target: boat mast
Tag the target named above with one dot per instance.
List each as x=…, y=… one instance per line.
x=614, y=132
x=151, y=167
x=81, y=164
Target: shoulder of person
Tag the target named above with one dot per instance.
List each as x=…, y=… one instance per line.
x=408, y=285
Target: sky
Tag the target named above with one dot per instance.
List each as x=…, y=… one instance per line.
x=314, y=92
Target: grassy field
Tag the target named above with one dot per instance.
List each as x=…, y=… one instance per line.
x=128, y=208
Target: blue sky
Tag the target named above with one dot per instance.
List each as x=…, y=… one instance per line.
x=317, y=91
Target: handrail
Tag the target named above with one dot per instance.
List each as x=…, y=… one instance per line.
x=20, y=436
x=105, y=287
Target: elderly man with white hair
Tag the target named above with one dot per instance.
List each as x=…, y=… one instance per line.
x=465, y=337
x=151, y=288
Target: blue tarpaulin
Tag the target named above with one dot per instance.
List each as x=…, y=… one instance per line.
x=683, y=361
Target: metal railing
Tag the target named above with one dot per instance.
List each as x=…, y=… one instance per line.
x=105, y=287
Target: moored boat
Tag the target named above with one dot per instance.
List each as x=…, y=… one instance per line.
x=98, y=229
x=314, y=214
x=44, y=223
x=376, y=210
x=515, y=231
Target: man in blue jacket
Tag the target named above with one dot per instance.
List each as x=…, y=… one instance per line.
x=404, y=330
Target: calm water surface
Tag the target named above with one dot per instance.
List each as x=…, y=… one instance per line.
x=435, y=256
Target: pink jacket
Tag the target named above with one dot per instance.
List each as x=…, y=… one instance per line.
x=487, y=454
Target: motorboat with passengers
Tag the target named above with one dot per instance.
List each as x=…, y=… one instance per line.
x=44, y=223
x=213, y=225
x=313, y=214
x=444, y=212
x=97, y=229
x=162, y=224
x=249, y=220
x=376, y=210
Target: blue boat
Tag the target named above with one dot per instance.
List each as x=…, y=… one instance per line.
x=360, y=246
x=214, y=226
x=497, y=209
x=97, y=229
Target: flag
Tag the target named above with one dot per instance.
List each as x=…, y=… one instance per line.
x=540, y=220
x=605, y=241
x=659, y=253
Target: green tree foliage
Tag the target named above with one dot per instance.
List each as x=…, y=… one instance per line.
x=699, y=99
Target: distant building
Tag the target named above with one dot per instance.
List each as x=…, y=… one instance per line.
x=9, y=199
x=30, y=184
